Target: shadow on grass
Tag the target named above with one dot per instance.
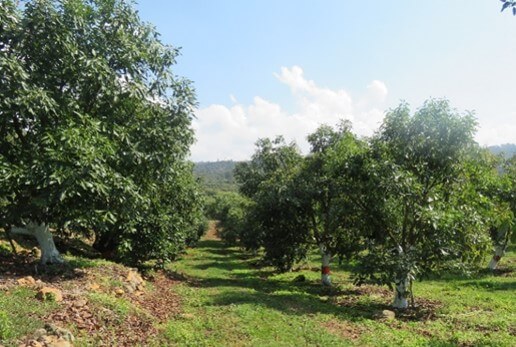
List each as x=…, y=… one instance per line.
x=501, y=271
x=490, y=285
x=497, y=280
x=77, y=247
x=222, y=265
x=299, y=303
x=254, y=287
x=216, y=247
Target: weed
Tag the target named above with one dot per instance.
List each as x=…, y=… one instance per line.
x=110, y=306
x=6, y=327
x=21, y=313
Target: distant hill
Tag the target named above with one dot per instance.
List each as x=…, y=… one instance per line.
x=508, y=149
x=217, y=175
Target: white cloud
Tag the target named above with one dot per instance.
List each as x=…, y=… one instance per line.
x=294, y=78
x=491, y=133
x=224, y=132
x=377, y=90
x=314, y=102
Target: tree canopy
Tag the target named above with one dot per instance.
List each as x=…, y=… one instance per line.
x=402, y=204
x=430, y=213
x=95, y=126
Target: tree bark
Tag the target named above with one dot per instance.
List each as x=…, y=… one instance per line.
x=325, y=268
x=498, y=253
x=401, y=292
x=49, y=252
x=7, y=230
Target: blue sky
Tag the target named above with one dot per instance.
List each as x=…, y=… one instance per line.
x=263, y=68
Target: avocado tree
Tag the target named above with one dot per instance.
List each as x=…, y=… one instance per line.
x=300, y=203
x=503, y=197
x=425, y=214
x=273, y=221
x=95, y=129
x=230, y=210
x=327, y=193
x=492, y=179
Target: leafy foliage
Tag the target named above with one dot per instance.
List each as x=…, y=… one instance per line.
x=494, y=178
x=430, y=213
x=268, y=180
x=231, y=209
x=95, y=127
x=330, y=191
x=301, y=202
x=509, y=4
x=408, y=202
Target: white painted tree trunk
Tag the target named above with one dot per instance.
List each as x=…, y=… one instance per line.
x=325, y=268
x=49, y=252
x=401, y=292
x=499, y=251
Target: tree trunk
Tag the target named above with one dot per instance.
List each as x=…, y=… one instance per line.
x=49, y=252
x=498, y=253
x=7, y=230
x=401, y=292
x=325, y=268
x=500, y=242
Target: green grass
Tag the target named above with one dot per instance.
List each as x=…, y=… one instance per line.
x=85, y=263
x=21, y=313
x=118, y=307
x=228, y=302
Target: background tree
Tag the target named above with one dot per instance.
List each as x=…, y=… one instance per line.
x=326, y=195
x=425, y=201
x=95, y=128
x=502, y=193
x=230, y=210
x=297, y=202
x=276, y=224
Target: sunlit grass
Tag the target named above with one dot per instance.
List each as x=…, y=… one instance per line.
x=21, y=312
x=228, y=301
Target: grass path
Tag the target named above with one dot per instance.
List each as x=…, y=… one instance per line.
x=220, y=298
x=228, y=302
